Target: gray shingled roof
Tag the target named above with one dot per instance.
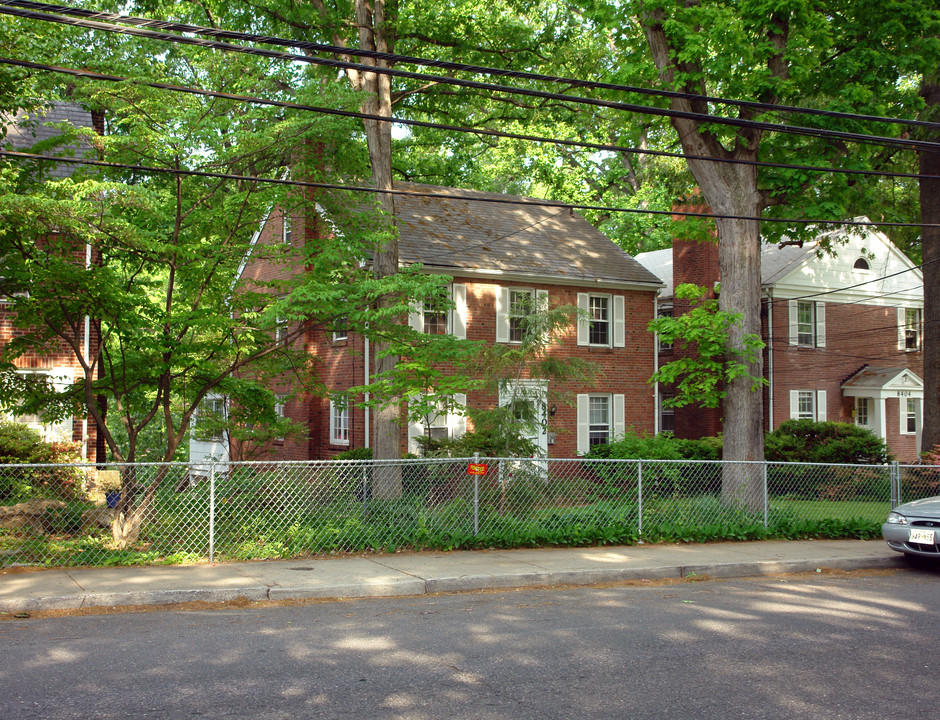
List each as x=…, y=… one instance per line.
x=452, y=234
x=25, y=131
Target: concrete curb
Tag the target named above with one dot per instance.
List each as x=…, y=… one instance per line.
x=357, y=578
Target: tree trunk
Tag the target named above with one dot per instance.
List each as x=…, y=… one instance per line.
x=730, y=190
x=375, y=33
x=930, y=239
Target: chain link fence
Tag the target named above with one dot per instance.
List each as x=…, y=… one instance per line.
x=67, y=515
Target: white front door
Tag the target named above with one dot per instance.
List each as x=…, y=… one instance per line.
x=533, y=396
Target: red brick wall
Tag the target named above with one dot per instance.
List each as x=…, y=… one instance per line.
x=694, y=262
x=856, y=335
x=60, y=355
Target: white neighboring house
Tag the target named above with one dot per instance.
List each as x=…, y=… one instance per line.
x=844, y=333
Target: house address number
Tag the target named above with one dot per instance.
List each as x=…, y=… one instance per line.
x=904, y=393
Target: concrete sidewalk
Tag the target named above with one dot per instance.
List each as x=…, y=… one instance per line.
x=423, y=573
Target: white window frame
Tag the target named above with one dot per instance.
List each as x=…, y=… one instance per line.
x=863, y=411
x=62, y=431
x=217, y=405
x=818, y=400
x=910, y=324
x=664, y=311
x=666, y=411
x=454, y=422
x=817, y=325
x=503, y=314
x=617, y=419
x=286, y=229
x=515, y=319
x=456, y=316
x=909, y=411
x=339, y=423
x=616, y=313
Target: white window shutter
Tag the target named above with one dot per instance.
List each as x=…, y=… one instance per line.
x=821, y=324
x=820, y=406
x=583, y=424
x=902, y=320
x=459, y=320
x=620, y=421
x=620, y=336
x=794, y=404
x=458, y=421
x=794, y=323
x=502, y=315
x=62, y=378
x=416, y=316
x=583, y=307
x=332, y=421
x=541, y=306
x=415, y=430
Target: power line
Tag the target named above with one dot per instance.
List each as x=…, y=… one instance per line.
x=448, y=65
x=339, y=64
x=91, y=75
x=507, y=200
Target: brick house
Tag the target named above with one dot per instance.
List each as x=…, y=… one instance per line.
x=500, y=252
x=60, y=363
x=843, y=333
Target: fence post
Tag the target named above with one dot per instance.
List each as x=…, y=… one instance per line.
x=365, y=488
x=895, y=484
x=639, y=495
x=766, y=495
x=211, y=512
x=476, y=497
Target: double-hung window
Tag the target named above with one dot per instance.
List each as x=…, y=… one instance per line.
x=433, y=317
x=909, y=421
x=910, y=329
x=665, y=312
x=521, y=306
x=807, y=323
x=808, y=405
x=601, y=320
x=599, y=429
x=601, y=419
x=862, y=411
x=339, y=423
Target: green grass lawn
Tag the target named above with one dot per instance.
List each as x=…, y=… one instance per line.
x=837, y=509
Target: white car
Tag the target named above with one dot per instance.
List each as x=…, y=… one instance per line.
x=914, y=528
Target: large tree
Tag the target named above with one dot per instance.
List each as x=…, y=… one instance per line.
x=170, y=222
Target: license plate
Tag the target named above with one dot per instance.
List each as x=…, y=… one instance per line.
x=924, y=537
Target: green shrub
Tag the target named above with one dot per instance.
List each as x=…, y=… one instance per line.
x=20, y=445
x=635, y=446
x=357, y=453
x=704, y=448
x=824, y=442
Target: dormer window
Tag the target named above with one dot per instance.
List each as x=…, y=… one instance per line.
x=862, y=264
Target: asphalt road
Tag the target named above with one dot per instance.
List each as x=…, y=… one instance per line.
x=856, y=645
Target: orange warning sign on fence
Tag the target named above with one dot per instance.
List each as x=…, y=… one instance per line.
x=476, y=469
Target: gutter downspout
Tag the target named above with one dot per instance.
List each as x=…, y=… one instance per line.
x=86, y=349
x=770, y=359
x=657, y=419
x=366, y=414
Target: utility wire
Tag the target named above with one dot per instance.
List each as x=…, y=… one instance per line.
x=447, y=65
x=91, y=75
x=507, y=200
x=339, y=64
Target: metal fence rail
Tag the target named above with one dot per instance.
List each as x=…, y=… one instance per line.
x=148, y=513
